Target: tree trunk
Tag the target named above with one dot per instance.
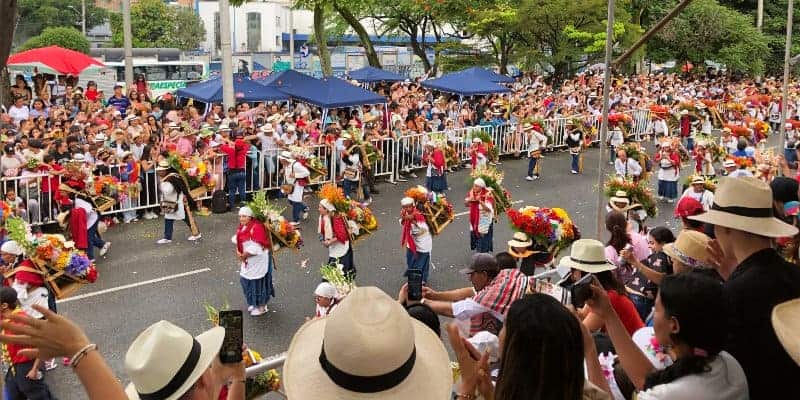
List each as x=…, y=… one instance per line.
x=8, y=23
x=419, y=51
x=372, y=55
x=321, y=38
x=504, y=50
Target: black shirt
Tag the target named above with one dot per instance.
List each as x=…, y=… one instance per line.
x=758, y=284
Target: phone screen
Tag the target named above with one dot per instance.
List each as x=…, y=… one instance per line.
x=414, y=285
x=231, y=351
x=553, y=290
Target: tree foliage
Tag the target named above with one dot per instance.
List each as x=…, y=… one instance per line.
x=36, y=15
x=706, y=30
x=62, y=36
x=155, y=24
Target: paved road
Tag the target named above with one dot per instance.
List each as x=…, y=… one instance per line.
x=113, y=314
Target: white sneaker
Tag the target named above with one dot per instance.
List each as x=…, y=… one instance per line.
x=193, y=237
x=105, y=248
x=528, y=178
x=574, y=172
x=256, y=312
x=413, y=175
x=164, y=241
x=305, y=215
x=250, y=308
x=294, y=223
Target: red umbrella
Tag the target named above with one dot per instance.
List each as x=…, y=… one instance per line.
x=55, y=60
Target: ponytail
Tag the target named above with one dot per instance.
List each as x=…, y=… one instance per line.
x=690, y=365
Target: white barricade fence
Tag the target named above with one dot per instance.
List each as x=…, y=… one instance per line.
x=385, y=165
x=29, y=201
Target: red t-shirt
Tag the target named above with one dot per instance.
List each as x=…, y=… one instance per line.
x=626, y=311
x=51, y=182
x=13, y=349
x=237, y=154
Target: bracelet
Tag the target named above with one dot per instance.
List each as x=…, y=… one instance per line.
x=464, y=396
x=81, y=354
x=422, y=301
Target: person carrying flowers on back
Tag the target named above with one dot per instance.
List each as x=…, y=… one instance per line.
x=253, y=251
x=296, y=174
x=574, y=142
x=669, y=162
x=536, y=142
x=334, y=235
x=83, y=222
x=435, y=178
x=481, y=217
x=478, y=153
x=415, y=238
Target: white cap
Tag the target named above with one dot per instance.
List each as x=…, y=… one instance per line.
x=245, y=212
x=290, y=128
x=324, y=203
x=286, y=155
x=100, y=137
x=267, y=128
x=476, y=140
x=12, y=247
x=407, y=201
x=479, y=182
x=326, y=290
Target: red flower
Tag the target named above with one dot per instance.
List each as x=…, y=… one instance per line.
x=91, y=274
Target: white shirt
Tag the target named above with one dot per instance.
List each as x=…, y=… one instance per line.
x=629, y=167
x=27, y=299
x=268, y=144
x=293, y=173
x=706, y=198
x=91, y=214
x=740, y=173
x=170, y=193
x=617, y=138
x=422, y=237
x=725, y=381
x=18, y=113
x=537, y=141
x=257, y=265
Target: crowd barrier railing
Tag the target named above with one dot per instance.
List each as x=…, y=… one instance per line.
x=264, y=170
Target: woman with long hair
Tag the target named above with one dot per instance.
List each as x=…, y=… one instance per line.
x=543, y=350
x=690, y=320
x=652, y=269
x=623, y=239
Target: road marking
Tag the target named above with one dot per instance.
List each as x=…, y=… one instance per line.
x=132, y=285
x=467, y=212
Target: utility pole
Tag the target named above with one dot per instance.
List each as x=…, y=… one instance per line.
x=760, y=15
x=83, y=17
x=127, y=41
x=291, y=36
x=601, y=201
x=227, y=53
x=786, y=57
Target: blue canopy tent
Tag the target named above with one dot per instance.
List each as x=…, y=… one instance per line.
x=244, y=90
x=370, y=74
x=462, y=85
x=485, y=74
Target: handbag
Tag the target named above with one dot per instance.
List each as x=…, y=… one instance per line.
x=350, y=173
x=484, y=223
x=168, y=206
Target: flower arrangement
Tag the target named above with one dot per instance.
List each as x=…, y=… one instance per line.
x=494, y=180
x=335, y=195
x=194, y=170
x=361, y=219
x=492, y=151
x=636, y=190
x=742, y=162
x=5, y=210
x=438, y=211
x=659, y=111
x=709, y=103
x=309, y=159
x=708, y=183
x=717, y=151
x=620, y=119
x=334, y=274
x=635, y=151
x=549, y=228
x=734, y=106
x=283, y=234
x=738, y=130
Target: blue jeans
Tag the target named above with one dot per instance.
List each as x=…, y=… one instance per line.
x=94, y=241
x=419, y=261
x=482, y=243
x=351, y=186
x=575, y=158
x=236, y=182
x=790, y=155
x=298, y=208
x=169, y=227
x=532, y=165
x=690, y=143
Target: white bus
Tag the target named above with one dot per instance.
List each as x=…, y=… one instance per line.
x=163, y=76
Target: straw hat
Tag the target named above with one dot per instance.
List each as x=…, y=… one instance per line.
x=370, y=348
x=267, y=128
x=698, y=180
x=786, y=322
x=587, y=255
x=745, y=204
x=690, y=249
x=619, y=197
x=369, y=118
x=165, y=361
x=729, y=164
x=163, y=165
x=520, y=240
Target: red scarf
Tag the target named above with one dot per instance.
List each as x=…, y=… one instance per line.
x=479, y=149
x=255, y=231
x=338, y=226
x=78, y=228
x=407, y=238
x=475, y=210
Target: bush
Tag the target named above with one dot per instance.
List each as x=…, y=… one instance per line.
x=63, y=36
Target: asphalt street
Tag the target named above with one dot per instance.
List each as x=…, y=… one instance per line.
x=141, y=282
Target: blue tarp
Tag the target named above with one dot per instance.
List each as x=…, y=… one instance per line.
x=485, y=74
x=371, y=74
x=462, y=85
x=244, y=90
x=325, y=93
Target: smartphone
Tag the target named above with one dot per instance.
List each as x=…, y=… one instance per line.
x=554, y=290
x=581, y=291
x=231, y=351
x=414, y=285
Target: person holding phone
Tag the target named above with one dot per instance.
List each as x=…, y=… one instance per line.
x=416, y=238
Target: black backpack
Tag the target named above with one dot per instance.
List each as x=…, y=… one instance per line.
x=219, y=202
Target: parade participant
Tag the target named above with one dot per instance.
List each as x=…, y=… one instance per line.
x=728, y=141
x=536, y=142
x=532, y=261
x=574, y=142
x=733, y=170
x=485, y=304
x=435, y=176
x=334, y=235
x=353, y=168
x=627, y=168
x=699, y=192
x=176, y=202
x=659, y=128
x=478, y=153
x=745, y=229
x=587, y=256
x=255, y=271
x=24, y=379
x=669, y=162
x=480, y=202
x=685, y=124
x=325, y=298
x=415, y=238
x=83, y=222
x=295, y=174
x=703, y=165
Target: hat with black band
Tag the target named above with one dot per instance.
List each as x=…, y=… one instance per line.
x=587, y=255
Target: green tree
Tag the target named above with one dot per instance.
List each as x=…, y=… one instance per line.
x=155, y=24
x=62, y=36
x=8, y=20
x=496, y=23
x=36, y=15
x=351, y=12
x=706, y=30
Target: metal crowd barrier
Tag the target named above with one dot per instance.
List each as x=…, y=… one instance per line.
x=264, y=172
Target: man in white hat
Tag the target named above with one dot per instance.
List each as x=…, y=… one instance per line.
x=295, y=174
x=626, y=167
x=352, y=169
x=415, y=238
x=699, y=192
x=757, y=279
x=165, y=362
x=481, y=217
x=334, y=234
x=326, y=299
x=536, y=142
x=733, y=170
